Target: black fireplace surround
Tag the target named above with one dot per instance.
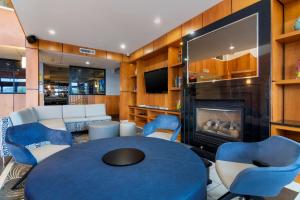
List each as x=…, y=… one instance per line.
x=253, y=99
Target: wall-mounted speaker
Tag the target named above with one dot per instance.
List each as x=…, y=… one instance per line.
x=31, y=39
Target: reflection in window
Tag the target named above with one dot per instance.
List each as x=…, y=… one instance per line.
x=87, y=81
x=12, y=77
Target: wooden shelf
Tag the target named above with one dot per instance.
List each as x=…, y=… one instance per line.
x=142, y=116
x=175, y=89
x=286, y=1
x=242, y=71
x=289, y=37
x=288, y=82
x=176, y=65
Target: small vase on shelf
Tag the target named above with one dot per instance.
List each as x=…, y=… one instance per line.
x=297, y=24
x=298, y=70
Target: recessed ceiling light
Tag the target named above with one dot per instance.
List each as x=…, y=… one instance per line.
x=231, y=47
x=87, y=62
x=51, y=32
x=157, y=20
x=123, y=46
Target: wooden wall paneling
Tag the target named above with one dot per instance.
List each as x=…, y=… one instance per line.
x=239, y=5
x=276, y=102
x=32, y=68
x=148, y=48
x=71, y=49
x=99, y=99
x=291, y=103
x=277, y=63
x=11, y=32
x=192, y=25
x=19, y=101
x=33, y=45
x=292, y=12
x=125, y=58
x=50, y=46
x=112, y=104
x=137, y=54
x=155, y=62
x=160, y=42
x=101, y=54
x=277, y=49
x=292, y=55
x=91, y=99
x=114, y=56
x=217, y=12
x=174, y=35
x=124, y=76
x=124, y=103
x=6, y=104
x=32, y=98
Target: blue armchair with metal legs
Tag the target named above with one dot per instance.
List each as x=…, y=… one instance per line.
x=31, y=143
x=258, y=169
x=165, y=122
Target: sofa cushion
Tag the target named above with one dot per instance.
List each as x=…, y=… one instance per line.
x=104, y=117
x=45, y=151
x=25, y=116
x=73, y=111
x=48, y=112
x=94, y=110
x=228, y=171
x=75, y=119
x=57, y=124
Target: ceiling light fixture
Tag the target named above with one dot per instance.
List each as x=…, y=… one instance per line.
x=87, y=62
x=23, y=62
x=157, y=20
x=123, y=46
x=51, y=32
x=231, y=47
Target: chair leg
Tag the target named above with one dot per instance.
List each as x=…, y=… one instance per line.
x=20, y=181
x=228, y=196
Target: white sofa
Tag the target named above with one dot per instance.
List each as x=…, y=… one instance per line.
x=56, y=117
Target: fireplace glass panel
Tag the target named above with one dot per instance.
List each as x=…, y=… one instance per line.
x=222, y=122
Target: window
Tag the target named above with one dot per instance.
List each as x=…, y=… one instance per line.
x=87, y=81
x=12, y=77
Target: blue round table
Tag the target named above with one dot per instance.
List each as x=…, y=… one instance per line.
x=169, y=171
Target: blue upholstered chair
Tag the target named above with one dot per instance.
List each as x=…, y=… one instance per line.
x=31, y=143
x=259, y=169
x=164, y=122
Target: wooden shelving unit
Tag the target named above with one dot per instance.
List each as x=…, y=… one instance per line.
x=285, y=55
x=288, y=82
x=293, y=36
x=141, y=115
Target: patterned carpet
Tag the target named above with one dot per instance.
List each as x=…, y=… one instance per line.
x=18, y=170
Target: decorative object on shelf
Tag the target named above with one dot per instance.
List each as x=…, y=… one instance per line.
x=179, y=58
x=298, y=70
x=297, y=24
x=177, y=82
x=178, y=105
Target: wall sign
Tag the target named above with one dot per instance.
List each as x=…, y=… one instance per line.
x=87, y=51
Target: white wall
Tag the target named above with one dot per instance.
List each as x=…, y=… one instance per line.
x=112, y=82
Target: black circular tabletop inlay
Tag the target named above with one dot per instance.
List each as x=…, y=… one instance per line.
x=123, y=157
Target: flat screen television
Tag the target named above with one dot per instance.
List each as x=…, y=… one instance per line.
x=156, y=81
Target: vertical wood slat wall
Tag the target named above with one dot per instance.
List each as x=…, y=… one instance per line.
x=285, y=55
